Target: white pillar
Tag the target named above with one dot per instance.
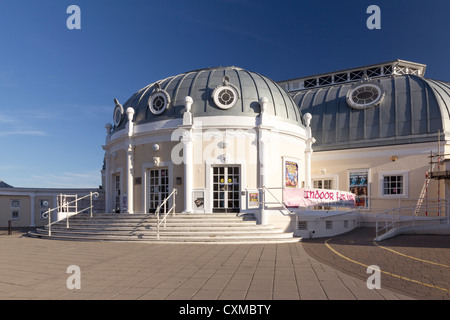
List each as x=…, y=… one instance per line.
x=263, y=156
x=308, y=154
x=107, y=185
x=107, y=173
x=308, y=150
x=130, y=158
x=33, y=210
x=188, y=159
x=130, y=178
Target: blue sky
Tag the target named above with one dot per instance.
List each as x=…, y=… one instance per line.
x=57, y=85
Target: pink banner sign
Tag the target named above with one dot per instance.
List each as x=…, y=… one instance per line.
x=300, y=197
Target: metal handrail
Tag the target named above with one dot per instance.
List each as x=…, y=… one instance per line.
x=166, y=213
x=264, y=202
x=67, y=205
x=395, y=214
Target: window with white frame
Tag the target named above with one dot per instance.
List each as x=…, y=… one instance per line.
x=15, y=214
x=393, y=184
x=15, y=208
x=323, y=184
x=15, y=203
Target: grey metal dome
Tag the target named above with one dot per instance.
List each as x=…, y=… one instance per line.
x=200, y=85
x=413, y=109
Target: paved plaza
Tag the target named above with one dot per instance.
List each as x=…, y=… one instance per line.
x=321, y=269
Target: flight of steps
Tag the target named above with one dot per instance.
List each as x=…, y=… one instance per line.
x=181, y=228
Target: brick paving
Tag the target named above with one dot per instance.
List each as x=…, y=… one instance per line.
x=416, y=265
x=36, y=269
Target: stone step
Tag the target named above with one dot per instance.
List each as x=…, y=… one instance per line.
x=168, y=228
x=179, y=217
x=223, y=224
x=173, y=233
x=184, y=228
x=169, y=239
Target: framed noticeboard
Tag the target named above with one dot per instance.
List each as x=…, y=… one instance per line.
x=198, y=197
x=253, y=199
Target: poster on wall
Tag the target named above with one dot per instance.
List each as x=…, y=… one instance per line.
x=358, y=186
x=290, y=174
x=199, y=199
x=253, y=199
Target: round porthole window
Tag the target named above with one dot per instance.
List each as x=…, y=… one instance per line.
x=118, y=112
x=225, y=97
x=366, y=95
x=158, y=102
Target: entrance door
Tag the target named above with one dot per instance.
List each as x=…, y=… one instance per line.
x=117, y=193
x=159, y=188
x=226, y=189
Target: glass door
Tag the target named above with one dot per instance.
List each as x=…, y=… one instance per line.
x=226, y=189
x=117, y=193
x=159, y=188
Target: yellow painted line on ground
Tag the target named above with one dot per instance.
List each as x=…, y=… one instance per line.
x=385, y=272
x=411, y=257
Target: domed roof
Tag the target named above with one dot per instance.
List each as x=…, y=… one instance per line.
x=389, y=110
x=5, y=185
x=221, y=91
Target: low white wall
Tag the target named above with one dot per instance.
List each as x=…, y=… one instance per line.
x=314, y=223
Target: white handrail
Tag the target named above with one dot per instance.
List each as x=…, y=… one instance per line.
x=395, y=214
x=67, y=205
x=264, y=202
x=166, y=212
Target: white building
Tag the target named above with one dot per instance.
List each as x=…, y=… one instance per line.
x=220, y=136
x=375, y=129
x=217, y=135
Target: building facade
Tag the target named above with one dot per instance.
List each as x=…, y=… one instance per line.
x=376, y=128
x=226, y=137
x=26, y=207
x=217, y=136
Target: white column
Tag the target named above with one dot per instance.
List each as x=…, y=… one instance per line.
x=130, y=179
x=130, y=158
x=263, y=156
x=308, y=154
x=107, y=173
x=188, y=159
x=33, y=210
x=107, y=185
x=308, y=150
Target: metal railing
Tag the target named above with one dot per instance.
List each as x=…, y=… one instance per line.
x=166, y=212
x=277, y=201
x=393, y=218
x=65, y=206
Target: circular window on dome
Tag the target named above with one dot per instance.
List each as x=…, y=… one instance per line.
x=225, y=97
x=158, y=102
x=366, y=95
x=117, y=116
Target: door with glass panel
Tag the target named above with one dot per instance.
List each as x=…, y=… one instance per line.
x=158, y=188
x=117, y=195
x=226, y=189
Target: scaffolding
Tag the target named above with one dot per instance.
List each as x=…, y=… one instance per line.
x=434, y=172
